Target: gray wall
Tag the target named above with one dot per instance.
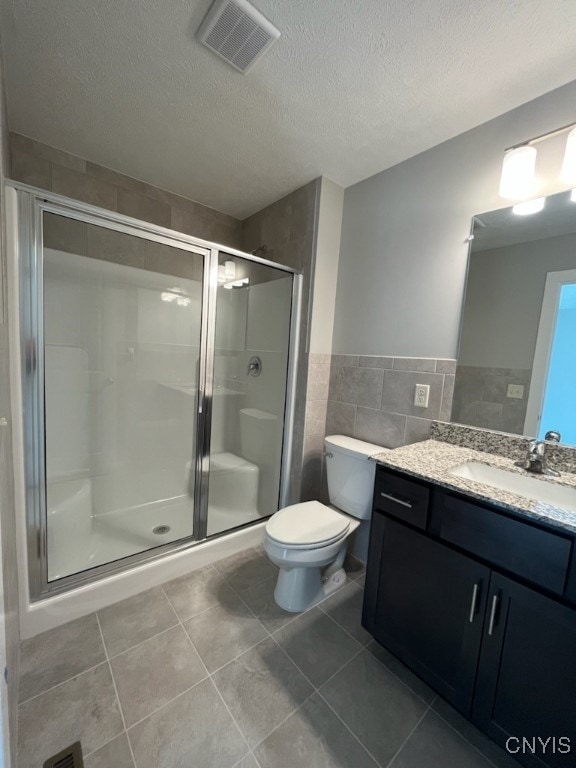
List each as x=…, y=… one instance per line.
x=7, y=515
x=403, y=254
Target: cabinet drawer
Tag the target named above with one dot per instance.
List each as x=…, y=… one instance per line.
x=404, y=499
x=539, y=556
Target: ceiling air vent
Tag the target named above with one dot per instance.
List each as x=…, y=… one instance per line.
x=71, y=757
x=237, y=32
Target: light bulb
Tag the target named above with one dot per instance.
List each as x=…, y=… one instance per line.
x=568, y=172
x=573, y=196
x=518, y=167
x=230, y=270
x=529, y=206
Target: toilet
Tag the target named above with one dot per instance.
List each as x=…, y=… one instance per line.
x=308, y=541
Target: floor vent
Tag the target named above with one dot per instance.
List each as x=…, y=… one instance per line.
x=237, y=32
x=71, y=757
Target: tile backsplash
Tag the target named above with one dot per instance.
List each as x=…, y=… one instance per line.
x=372, y=397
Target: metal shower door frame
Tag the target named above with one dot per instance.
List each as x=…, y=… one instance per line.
x=32, y=204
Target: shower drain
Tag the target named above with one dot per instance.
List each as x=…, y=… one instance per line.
x=160, y=529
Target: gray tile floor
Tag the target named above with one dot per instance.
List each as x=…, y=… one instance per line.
x=207, y=672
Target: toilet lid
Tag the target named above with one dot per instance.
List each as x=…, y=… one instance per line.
x=307, y=523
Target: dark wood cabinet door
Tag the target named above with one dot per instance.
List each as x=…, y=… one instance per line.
x=430, y=609
x=527, y=675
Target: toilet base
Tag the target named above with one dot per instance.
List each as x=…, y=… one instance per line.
x=300, y=588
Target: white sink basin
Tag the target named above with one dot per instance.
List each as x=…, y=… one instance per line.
x=522, y=485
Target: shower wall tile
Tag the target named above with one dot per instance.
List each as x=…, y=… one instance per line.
x=109, y=245
x=371, y=397
x=23, y=144
x=85, y=188
x=144, y=208
x=285, y=232
x=65, y=234
x=48, y=168
x=31, y=170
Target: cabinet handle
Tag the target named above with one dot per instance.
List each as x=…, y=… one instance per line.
x=395, y=500
x=491, y=625
x=473, y=603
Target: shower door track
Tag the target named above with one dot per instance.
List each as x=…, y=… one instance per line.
x=31, y=205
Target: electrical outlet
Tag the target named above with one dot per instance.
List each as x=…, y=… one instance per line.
x=516, y=391
x=421, y=395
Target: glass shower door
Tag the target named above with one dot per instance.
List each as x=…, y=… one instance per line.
x=122, y=319
x=252, y=337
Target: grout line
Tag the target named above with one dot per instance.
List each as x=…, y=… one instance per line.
x=166, y=703
x=364, y=747
x=240, y=731
x=281, y=723
x=59, y=685
x=407, y=739
x=459, y=733
x=137, y=645
x=116, y=692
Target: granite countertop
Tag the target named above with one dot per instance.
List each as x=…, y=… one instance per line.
x=432, y=460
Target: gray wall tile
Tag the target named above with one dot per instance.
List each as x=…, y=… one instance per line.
x=417, y=430
x=398, y=393
x=318, y=382
x=36, y=149
x=109, y=245
x=31, y=170
x=380, y=428
x=447, y=397
x=316, y=417
x=445, y=366
x=362, y=386
x=173, y=261
x=374, y=361
x=143, y=208
x=64, y=234
x=414, y=364
x=340, y=418
x=81, y=187
x=345, y=360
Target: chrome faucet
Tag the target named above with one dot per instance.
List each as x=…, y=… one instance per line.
x=537, y=459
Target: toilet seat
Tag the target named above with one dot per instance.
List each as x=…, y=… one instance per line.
x=309, y=524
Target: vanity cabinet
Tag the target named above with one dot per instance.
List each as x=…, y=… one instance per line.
x=476, y=603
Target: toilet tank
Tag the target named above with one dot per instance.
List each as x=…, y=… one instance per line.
x=350, y=474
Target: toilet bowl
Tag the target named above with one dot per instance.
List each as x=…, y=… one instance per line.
x=308, y=541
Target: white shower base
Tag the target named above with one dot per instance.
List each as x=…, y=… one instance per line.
x=81, y=537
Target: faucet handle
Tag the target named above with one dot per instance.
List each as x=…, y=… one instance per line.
x=552, y=436
x=536, y=448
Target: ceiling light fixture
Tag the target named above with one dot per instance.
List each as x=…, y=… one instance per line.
x=518, y=179
x=528, y=207
x=573, y=196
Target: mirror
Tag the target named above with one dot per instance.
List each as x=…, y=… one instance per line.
x=516, y=367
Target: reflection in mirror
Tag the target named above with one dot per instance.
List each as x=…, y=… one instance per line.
x=517, y=357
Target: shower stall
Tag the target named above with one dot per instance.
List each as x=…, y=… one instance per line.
x=156, y=377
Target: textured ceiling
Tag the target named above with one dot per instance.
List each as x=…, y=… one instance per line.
x=350, y=89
